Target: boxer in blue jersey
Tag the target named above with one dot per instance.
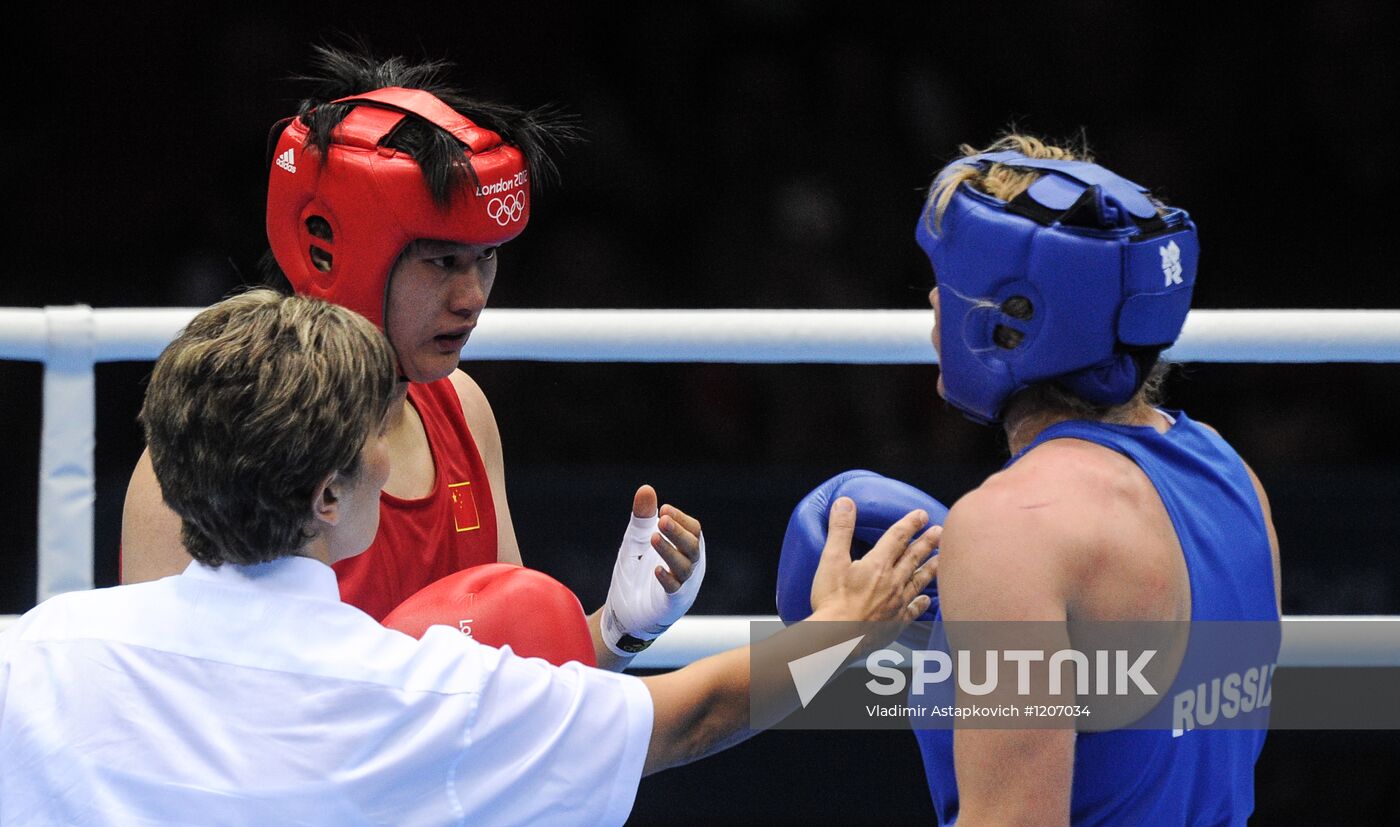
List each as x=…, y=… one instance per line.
x=1059, y=284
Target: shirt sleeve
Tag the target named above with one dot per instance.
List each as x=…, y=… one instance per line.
x=559, y=745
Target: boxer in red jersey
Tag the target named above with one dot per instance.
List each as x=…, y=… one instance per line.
x=389, y=194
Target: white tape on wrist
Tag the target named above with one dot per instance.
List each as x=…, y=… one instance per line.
x=638, y=608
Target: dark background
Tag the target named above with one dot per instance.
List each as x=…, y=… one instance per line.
x=763, y=155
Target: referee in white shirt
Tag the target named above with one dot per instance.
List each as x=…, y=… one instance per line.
x=244, y=692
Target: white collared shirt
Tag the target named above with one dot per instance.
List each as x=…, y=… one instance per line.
x=252, y=695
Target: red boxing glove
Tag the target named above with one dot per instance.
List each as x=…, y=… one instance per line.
x=499, y=604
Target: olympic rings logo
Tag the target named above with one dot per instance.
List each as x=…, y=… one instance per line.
x=507, y=208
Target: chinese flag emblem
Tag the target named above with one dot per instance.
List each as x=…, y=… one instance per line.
x=464, y=513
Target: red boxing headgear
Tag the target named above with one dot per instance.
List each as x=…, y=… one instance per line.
x=375, y=202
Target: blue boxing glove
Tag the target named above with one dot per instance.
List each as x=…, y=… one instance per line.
x=880, y=503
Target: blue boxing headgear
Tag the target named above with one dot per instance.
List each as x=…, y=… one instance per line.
x=1061, y=283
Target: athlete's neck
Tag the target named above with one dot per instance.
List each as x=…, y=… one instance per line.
x=1024, y=423
x=398, y=406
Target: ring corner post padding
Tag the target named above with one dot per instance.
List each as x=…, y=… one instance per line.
x=67, y=478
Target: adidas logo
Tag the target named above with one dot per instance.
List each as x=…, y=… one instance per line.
x=1171, y=260
x=288, y=161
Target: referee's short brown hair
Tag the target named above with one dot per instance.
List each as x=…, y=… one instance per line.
x=250, y=408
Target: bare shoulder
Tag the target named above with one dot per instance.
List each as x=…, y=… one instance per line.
x=1070, y=485
x=482, y=424
x=1005, y=549
x=473, y=398
x=481, y=421
x=1019, y=545
x=477, y=410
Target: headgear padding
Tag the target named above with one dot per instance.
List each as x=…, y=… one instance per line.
x=1056, y=284
x=375, y=201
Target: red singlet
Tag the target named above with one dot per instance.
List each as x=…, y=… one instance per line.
x=422, y=541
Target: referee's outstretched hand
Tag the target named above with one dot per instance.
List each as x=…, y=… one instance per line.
x=885, y=584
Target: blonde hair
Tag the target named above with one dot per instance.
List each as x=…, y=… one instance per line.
x=999, y=180
x=250, y=408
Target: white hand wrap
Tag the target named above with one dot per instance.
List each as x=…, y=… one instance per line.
x=638, y=608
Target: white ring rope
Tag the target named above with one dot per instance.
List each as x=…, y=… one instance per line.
x=871, y=337
x=70, y=340
x=1308, y=640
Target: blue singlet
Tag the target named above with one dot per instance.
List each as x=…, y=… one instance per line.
x=1156, y=776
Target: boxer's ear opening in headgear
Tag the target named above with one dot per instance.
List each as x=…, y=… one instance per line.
x=322, y=260
x=320, y=228
x=1007, y=338
x=1019, y=307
